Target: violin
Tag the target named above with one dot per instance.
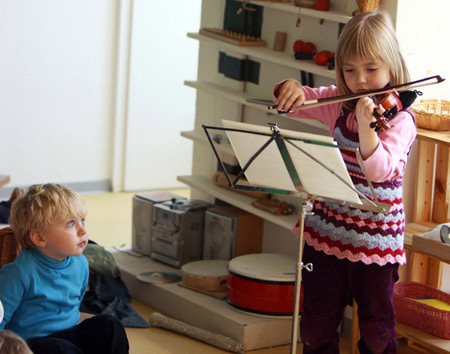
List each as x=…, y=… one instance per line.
x=391, y=104
x=393, y=99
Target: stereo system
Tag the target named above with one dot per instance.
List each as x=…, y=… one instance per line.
x=174, y=230
x=142, y=216
x=177, y=231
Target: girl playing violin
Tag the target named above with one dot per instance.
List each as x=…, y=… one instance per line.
x=354, y=251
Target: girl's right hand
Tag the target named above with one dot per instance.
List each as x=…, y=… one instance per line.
x=290, y=96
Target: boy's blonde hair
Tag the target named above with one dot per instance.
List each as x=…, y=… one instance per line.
x=369, y=35
x=41, y=206
x=11, y=343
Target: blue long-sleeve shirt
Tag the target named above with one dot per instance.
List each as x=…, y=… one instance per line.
x=41, y=295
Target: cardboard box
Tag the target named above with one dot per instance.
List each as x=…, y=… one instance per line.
x=199, y=310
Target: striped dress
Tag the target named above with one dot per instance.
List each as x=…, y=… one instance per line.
x=356, y=234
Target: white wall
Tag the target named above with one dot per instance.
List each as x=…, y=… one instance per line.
x=160, y=106
x=56, y=87
x=58, y=94
x=422, y=30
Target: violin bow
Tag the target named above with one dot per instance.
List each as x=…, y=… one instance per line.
x=336, y=99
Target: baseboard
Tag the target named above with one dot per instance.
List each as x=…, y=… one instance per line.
x=99, y=186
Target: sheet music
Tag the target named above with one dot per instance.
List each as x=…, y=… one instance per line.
x=269, y=170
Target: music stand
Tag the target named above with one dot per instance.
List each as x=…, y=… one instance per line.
x=295, y=164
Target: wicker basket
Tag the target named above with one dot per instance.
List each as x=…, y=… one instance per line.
x=419, y=315
x=432, y=114
x=9, y=248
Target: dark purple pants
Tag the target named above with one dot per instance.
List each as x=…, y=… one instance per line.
x=326, y=293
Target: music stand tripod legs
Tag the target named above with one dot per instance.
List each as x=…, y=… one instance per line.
x=305, y=210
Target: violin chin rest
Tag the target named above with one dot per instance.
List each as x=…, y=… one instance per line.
x=407, y=98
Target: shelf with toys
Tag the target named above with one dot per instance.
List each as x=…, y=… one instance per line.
x=289, y=7
x=241, y=201
x=268, y=55
x=219, y=97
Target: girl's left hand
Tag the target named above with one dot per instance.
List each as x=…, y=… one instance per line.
x=364, y=112
x=368, y=138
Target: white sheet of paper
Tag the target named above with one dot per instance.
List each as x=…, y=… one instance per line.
x=269, y=170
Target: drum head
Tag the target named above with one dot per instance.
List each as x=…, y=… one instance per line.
x=206, y=268
x=264, y=266
x=208, y=275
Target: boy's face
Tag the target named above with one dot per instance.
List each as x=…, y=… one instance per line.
x=63, y=239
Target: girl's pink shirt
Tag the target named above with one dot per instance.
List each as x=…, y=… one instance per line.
x=388, y=161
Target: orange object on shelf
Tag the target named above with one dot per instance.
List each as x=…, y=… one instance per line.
x=323, y=5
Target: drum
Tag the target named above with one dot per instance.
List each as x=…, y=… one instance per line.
x=207, y=275
x=262, y=284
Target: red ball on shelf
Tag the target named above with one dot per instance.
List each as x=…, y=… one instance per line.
x=322, y=5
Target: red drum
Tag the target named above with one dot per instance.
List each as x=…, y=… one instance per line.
x=262, y=283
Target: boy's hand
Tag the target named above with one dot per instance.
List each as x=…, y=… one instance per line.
x=290, y=96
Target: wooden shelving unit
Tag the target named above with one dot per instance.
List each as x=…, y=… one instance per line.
x=201, y=138
x=425, y=341
x=268, y=55
x=291, y=8
x=431, y=209
x=242, y=98
x=239, y=200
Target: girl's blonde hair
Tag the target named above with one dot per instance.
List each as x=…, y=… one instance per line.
x=41, y=206
x=369, y=35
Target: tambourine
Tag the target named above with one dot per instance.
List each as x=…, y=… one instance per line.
x=207, y=275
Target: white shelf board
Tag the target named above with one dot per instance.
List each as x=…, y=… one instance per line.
x=291, y=8
x=266, y=54
x=241, y=97
x=239, y=200
x=200, y=137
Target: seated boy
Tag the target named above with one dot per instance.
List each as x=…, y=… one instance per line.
x=42, y=289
